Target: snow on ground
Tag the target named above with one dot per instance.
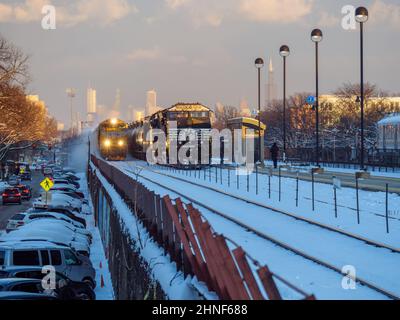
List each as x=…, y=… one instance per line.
x=173, y=283
x=97, y=254
x=309, y=276
x=372, y=204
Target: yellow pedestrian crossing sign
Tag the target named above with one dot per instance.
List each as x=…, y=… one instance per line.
x=47, y=184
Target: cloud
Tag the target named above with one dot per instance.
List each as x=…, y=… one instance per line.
x=6, y=12
x=284, y=11
x=213, y=13
x=155, y=54
x=175, y=4
x=144, y=54
x=102, y=12
x=389, y=13
x=328, y=20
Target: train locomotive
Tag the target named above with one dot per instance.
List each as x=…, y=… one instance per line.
x=112, y=135
x=172, y=121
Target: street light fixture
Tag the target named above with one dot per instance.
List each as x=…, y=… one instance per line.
x=362, y=17
x=284, y=52
x=259, y=63
x=316, y=36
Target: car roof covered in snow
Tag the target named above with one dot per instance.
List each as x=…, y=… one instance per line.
x=29, y=244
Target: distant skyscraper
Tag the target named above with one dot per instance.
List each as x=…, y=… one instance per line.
x=151, y=102
x=271, y=87
x=244, y=108
x=91, y=104
x=139, y=116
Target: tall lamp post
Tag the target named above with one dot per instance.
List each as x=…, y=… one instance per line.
x=316, y=37
x=259, y=63
x=362, y=17
x=284, y=51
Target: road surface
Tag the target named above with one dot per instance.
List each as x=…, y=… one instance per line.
x=8, y=211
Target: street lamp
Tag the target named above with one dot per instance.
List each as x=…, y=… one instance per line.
x=362, y=17
x=284, y=51
x=316, y=36
x=259, y=63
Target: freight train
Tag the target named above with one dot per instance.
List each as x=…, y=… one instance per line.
x=192, y=117
x=112, y=137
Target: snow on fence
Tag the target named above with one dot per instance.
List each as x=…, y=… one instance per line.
x=197, y=250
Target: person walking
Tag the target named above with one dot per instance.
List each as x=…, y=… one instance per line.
x=274, y=154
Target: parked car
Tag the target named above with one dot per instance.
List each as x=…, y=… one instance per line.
x=59, y=203
x=53, y=226
x=62, y=211
x=47, y=172
x=76, y=204
x=26, y=192
x=15, y=222
x=12, y=195
x=43, y=253
x=74, y=195
x=30, y=280
x=14, y=180
x=68, y=188
x=21, y=219
x=60, y=235
x=26, y=176
x=66, y=181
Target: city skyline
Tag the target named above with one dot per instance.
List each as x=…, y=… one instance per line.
x=129, y=45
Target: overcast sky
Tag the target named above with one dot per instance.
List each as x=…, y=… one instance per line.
x=195, y=50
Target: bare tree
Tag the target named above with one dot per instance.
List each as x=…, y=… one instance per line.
x=22, y=122
x=222, y=115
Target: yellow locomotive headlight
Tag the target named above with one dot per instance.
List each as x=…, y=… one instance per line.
x=114, y=121
x=107, y=143
x=121, y=143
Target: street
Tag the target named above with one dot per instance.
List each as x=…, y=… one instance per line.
x=6, y=212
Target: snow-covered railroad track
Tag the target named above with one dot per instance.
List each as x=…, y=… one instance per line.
x=369, y=281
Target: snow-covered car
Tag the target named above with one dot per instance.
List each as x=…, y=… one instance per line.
x=73, y=195
x=62, y=211
x=53, y=215
x=58, y=181
x=14, y=180
x=69, y=188
x=51, y=228
x=59, y=203
x=59, y=196
x=22, y=219
x=56, y=235
x=54, y=225
x=15, y=222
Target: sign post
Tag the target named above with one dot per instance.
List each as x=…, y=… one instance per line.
x=47, y=184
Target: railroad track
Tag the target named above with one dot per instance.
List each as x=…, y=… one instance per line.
x=265, y=236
